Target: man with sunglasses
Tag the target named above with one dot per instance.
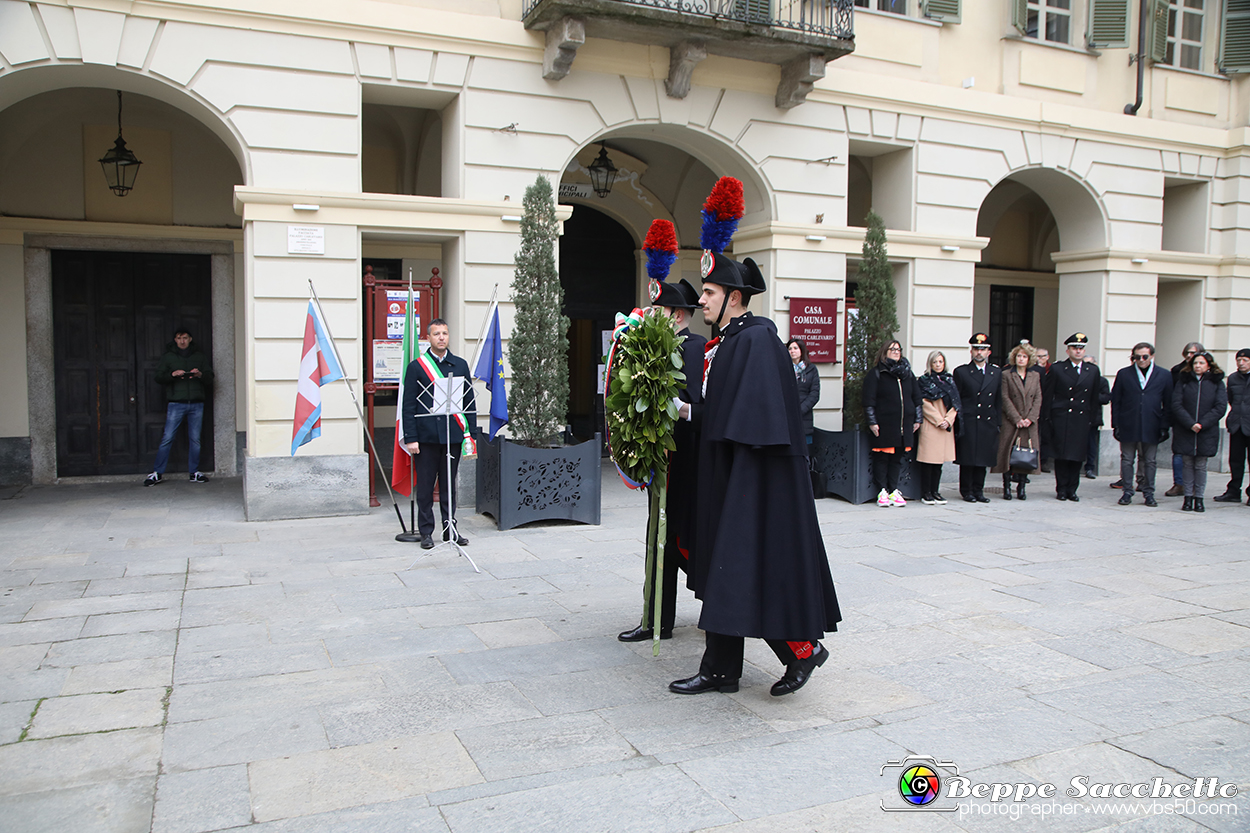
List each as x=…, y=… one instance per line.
x=1140, y=400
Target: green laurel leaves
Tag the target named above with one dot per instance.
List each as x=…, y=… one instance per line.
x=645, y=376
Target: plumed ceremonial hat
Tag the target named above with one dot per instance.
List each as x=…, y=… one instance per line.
x=680, y=295
x=979, y=340
x=722, y=210
x=1076, y=340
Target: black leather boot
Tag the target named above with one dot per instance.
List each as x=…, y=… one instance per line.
x=1198, y=507
x=1188, y=505
x=1020, y=491
x=1006, y=487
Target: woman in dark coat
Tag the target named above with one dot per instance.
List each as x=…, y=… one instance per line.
x=808, y=380
x=1022, y=405
x=893, y=406
x=1198, y=403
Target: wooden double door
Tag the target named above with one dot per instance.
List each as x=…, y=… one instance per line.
x=114, y=315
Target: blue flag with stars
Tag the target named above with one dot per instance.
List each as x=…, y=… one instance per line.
x=490, y=370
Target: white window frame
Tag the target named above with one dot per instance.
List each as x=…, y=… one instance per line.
x=1043, y=12
x=1177, y=9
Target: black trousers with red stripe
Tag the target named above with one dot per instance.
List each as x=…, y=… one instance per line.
x=722, y=656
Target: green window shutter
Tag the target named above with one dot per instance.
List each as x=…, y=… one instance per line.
x=1158, y=32
x=947, y=11
x=1020, y=15
x=1108, y=24
x=1235, y=39
x=756, y=11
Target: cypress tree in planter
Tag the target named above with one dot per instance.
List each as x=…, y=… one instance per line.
x=535, y=478
x=844, y=455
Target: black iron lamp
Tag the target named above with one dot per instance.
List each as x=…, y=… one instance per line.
x=602, y=173
x=119, y=164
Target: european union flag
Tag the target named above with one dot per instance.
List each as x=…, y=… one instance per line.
x=490, y=370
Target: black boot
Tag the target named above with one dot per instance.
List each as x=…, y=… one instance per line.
x=1020, y=491
x=1006, y=487
x=1188, y=505
x=1230, y=496
x=1198, y=507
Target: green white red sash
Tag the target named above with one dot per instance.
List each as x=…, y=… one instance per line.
x=430, y=365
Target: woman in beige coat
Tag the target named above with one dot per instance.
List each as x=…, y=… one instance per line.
x=1022, y=405
x=940, y=405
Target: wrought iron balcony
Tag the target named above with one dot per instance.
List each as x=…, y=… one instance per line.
x=798, y=35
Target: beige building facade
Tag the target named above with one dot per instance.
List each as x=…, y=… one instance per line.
x=1018, y=195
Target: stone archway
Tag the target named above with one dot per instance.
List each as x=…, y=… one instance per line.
x=54, y=122
x=1030, y=216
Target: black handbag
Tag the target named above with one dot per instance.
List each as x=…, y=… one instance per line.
x=1024, y=459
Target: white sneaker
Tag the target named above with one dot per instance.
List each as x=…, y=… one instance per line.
x=882, y=498
x=896, y=499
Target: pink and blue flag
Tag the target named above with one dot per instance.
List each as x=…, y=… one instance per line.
x=319, y=366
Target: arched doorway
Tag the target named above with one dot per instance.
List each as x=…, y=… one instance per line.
x=597, y=272
x=105, y=300
x=1018, y=294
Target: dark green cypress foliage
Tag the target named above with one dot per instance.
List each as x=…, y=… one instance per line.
x=876, y=320
x=538, y=351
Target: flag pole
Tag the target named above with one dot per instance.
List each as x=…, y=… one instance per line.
x=477, y=351
x=407, y=536
x=359, y=413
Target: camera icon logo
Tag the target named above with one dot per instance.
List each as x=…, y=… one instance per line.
x=917, y=785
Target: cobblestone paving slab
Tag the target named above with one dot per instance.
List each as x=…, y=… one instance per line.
x=318, y=677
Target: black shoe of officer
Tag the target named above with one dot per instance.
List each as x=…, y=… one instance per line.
x=641, y=634
x=1228, y=497
x=799, y=671
x=700, y=683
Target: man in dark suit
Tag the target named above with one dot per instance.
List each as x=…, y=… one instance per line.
x=427, y=438
x=678, y=301
x=1140, y=400
x=1238, y=425
x=980, y=386
x=1071, y=399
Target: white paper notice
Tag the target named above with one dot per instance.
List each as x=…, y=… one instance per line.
x=305, y=240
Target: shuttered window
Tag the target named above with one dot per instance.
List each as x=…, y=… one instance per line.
x=1108, y=24
x=947, y=11
x=1235, y=40
x=1158, y=32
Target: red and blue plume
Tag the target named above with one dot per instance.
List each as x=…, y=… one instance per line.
x=661, y=248
x=721, y=212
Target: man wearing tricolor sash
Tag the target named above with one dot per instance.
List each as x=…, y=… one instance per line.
x=428, y=437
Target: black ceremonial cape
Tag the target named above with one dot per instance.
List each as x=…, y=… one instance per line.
x=758, y=562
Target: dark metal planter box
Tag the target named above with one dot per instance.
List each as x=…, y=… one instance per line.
x=845, y=460
x=517, y=484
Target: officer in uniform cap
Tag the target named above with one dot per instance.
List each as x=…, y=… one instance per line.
x=758, y=562
x=1072, y=400
x=980, y=386
x=678, y=300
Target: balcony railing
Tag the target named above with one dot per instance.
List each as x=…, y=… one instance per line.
x=822, y=18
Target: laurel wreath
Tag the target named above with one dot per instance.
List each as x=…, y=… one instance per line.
x=644, y=375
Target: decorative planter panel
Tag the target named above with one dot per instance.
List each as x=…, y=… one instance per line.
x=517, y=484
x=845, y=458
